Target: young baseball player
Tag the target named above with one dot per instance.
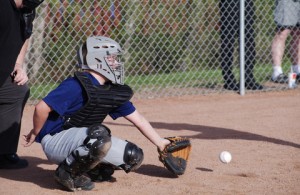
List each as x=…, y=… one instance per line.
x=68, y=121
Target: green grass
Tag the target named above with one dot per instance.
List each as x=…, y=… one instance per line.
x=39, y=91
x=204, y=78
x=185, y=78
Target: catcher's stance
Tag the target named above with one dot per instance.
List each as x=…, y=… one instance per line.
x=68, y=122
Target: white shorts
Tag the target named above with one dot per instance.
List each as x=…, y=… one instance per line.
x=287, y=13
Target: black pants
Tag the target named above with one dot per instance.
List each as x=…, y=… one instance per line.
x=12, y=101
x=230, y=27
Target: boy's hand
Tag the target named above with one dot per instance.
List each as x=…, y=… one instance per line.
x=29, y=138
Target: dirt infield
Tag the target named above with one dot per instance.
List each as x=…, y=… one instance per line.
x=262, y=132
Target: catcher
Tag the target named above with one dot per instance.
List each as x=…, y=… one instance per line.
x=68, y=122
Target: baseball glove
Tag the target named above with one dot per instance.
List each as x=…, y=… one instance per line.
x=176, y=154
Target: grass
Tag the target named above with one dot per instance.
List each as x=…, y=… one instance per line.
x=194, y=78
x=39, y=91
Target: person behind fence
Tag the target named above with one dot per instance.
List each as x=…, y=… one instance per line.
x=16, y=18
x=230, y=27
x=68, y=121
x=287, y=19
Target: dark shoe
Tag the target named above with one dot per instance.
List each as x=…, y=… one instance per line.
x=253, y=86
x=12, y=161
x=280, y=79
x=101, y=173
x=298, y=78
x=231, y=86
x=73, y=183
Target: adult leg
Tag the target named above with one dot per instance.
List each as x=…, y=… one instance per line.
x=12, y=101
x=295, y=51
x=229, y=10
x=250, y=51
x=278, y=47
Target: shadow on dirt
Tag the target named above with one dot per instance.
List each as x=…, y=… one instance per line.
x=44, y=178
x=204, y=169
x=206, y=132
x=33, y=174
x=155, y=171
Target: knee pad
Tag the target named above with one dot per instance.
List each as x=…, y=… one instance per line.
x=133, y=157
x=124, y=155
x=93, y=150
x=97, y=131
x=98, y=140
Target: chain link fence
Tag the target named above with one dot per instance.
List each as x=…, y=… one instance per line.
x=172, y=47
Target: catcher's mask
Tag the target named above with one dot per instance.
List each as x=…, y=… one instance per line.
x=102, y=55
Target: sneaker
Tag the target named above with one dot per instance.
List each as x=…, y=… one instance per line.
x=253, y=86
x=101, y=173
x=12, y=161
x=280, y=79
x=73, y=183
x=298, y=78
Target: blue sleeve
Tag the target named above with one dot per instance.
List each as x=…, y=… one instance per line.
x=67, y=95
x=123, y=110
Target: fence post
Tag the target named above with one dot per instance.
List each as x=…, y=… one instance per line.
x=242, y=47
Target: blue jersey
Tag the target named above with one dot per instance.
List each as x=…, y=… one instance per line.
x=68, y=98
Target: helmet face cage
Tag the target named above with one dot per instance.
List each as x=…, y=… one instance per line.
x=102, y=55
x=116, y=66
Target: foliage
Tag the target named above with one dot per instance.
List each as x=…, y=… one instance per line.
x=166, y=43
x=159, y=35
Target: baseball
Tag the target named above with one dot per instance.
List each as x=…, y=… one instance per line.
x=225, y=157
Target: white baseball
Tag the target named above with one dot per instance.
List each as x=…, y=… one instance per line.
x=225, y=157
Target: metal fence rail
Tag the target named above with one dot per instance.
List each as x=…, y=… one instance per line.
x=172, y=47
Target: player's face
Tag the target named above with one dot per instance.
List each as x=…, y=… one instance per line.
x=112, y=61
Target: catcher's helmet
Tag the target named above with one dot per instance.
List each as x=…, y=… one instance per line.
x=102, y=54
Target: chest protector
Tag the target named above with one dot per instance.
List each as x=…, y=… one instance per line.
x=101, y=100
